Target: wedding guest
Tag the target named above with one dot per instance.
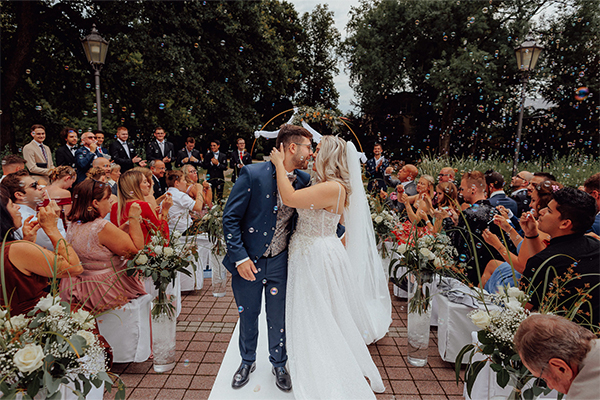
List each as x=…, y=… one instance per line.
x=215, y=163
x=541, y=195
x=495, y=182
x=446, y=212
x=97, y=174
x=239, y=158
x=404, y=184
x=190, y=174
x=104, y=164
x=122, y=153
x=422, y=201
x=85, y=155
x=184, y=207
x=150, y=199
x=62, y=179
x=28, y=266
x=375, y=169
x=65, y=154
x=565, y=355
x=159, y=186
x=592, y=187
x=570, y=253
x=37, y=155
x=27, y=194
x=103, y=250
x=446, y=175
x=188, y=155
x=160, y=149
x=113, y=178
x=133, y=187
x=103, y=151
x=539, y=177
x=11, y=163
x=519, y=184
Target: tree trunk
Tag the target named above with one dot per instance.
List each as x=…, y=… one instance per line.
x=25, y=34
x=447, y=118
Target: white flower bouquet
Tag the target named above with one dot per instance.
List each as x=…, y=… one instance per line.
x=384, y=222
x=161, y=259
x=49, y=347
x=212, y=225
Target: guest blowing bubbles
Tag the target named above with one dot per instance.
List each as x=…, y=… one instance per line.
x=26, y=265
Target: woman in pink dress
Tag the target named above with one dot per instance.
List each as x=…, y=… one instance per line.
x=103, y=250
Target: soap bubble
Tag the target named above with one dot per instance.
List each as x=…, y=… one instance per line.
x=241, y=49
x=38, y=108
x=28, y=71
x=161, y=106
x=582, y=93
x=88, y=85
x=66, y=67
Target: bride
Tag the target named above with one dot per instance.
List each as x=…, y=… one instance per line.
x=328, y=358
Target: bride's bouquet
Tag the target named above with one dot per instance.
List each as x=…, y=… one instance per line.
x=49, y=347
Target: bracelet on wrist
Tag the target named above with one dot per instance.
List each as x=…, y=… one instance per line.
x=532, y=237
x=136, y=218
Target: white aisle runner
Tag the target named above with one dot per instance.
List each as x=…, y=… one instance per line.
x=262, y=381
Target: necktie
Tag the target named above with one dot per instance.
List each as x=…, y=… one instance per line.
x=44, y=152
x=162, y=147
x=241, y=155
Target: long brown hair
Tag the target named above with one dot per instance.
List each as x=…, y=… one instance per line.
x=450, y=194
x=129, y=189
x=83, y=196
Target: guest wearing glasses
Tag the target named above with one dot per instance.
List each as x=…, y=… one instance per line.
x=518, y=185
x=190, y=175
x=85, y=155
x=446, y=175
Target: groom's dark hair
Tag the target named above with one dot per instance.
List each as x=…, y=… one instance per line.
x=289, y=134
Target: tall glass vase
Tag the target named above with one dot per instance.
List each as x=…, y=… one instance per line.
x=219, y=275
x=164, y=322
x=419, y=317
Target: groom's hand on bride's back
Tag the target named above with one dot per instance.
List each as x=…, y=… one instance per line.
x=247, y=269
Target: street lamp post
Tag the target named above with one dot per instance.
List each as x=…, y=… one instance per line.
x=527, y=55
x=95, y=48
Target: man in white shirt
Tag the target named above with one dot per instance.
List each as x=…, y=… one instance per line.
x=179, y=213
x=25, y=192
x=123, y=153
x=160, y=149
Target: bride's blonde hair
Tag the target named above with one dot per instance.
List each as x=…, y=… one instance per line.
x=332, y=165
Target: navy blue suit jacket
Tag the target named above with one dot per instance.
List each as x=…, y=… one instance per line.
x=83, y=161
x=504, y=200
x=250, y=215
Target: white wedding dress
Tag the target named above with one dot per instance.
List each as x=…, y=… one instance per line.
x=327, y=354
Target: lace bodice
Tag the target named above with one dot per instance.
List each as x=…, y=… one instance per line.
x=84, y=239
x=316, y=223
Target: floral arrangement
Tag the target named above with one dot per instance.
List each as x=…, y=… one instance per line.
x=423, y=256
x=318, y=115
x=384, y=222
x=50, y=347
x=212, y=224
x=497, y=330
x=161, y=259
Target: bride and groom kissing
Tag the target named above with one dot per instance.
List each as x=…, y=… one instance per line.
x=324, y=302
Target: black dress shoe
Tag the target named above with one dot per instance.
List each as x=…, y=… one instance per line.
x=242, y=375
x=282, y=379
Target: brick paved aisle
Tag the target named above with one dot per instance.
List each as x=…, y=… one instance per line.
x=204, y=329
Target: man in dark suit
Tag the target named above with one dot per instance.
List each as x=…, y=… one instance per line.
x=215, y=163
x=122, y=153
x=65, y=154
x=85, y=155
x=495, y=182
x=239, y=158
x=188, y=155
x=103, y=151
x=375, y=169
x=519, y=184
x=160, y=149
x=158, y=176
x=404, y=184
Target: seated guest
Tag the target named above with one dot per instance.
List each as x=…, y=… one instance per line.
x=159, y=186
x=404, y=184
x=103, y=249
x=569, y=215
x=62, y=179
x=104, y=164
x=562, y=353
x=422, y=201
x=155, y=203
x=27, y=193
x=190, y=175
x=519, y=184
x=447, y=211
x=592, y=187
x=180, y=214
x=188, y=155
x=446, y=175
x=495, y=182
x=134, y=188
x=97, y=174
x=28, y=266
x=113, y=177
x=11, y=163
x=539, y=177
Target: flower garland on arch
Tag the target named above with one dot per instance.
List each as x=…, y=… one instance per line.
x=318, y=115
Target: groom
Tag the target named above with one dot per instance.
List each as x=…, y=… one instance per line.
x=257, y=228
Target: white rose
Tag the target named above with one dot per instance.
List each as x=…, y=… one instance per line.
x=17, y=322
x=158, y=250
x=515, y=293
x=141, y=259
x=437, y=262
x=176, y=234
x=514, y=305
x=427, y=253
x=378, y=219
x=2, y=313
x=89, y=337
x=56, y=309
x=373, y=216
x=29, y=358
x=168, y=251
x=80, y=316
x=480, y=318
x=402, y=248
x=45, y=303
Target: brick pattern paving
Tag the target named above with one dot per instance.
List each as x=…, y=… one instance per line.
x=204, y=330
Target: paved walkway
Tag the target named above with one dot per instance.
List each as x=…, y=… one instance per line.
x=204, y=329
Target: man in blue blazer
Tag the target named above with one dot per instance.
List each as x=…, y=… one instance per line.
x=495, y=182
x=85, y=155
x=257, y=227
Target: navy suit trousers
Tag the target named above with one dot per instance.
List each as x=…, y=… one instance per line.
x=271, y=278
